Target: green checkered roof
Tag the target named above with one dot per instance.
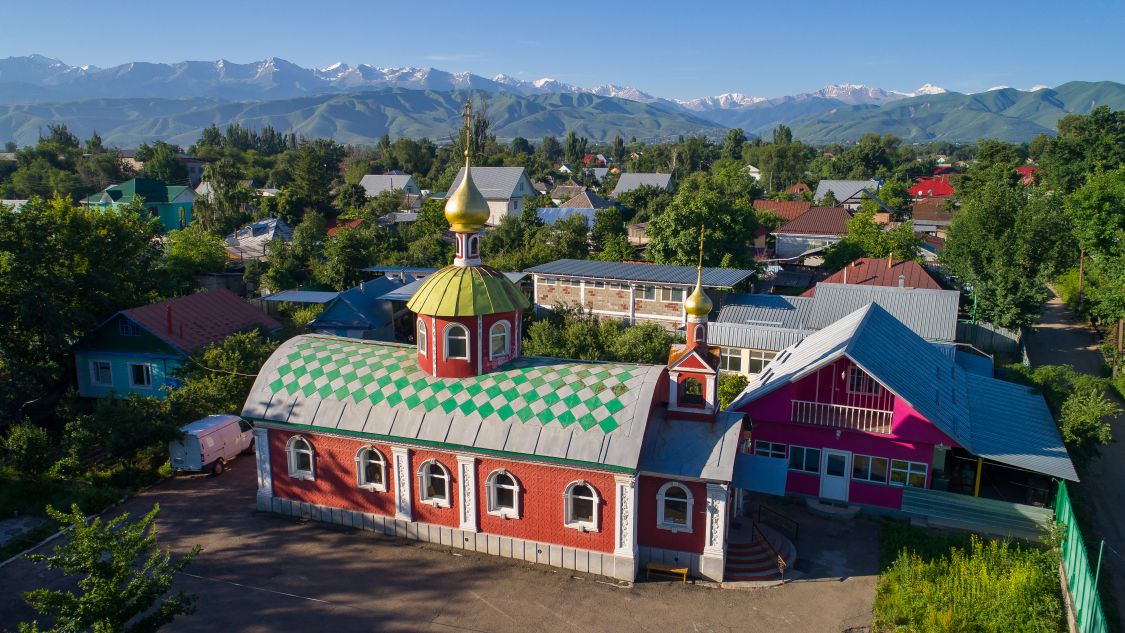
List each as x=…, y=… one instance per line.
x=373, y=379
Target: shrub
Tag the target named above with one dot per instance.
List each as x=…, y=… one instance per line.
x=730, y=386
x=28, y=449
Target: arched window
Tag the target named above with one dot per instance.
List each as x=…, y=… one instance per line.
x=581, y=506
x=691, y=391
x=456, y=342
x=673, y=507
x=699, y=332
x=500, y=339
x=433, y=484
x=371, y=469
x=422, y=337
x=503, y=494
x=474, y=246
x=299, y=452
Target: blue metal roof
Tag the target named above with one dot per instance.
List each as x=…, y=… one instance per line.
x=361, y=307
x=302, y=296
x=406, y=292
x=652, y=273
x=402, y=269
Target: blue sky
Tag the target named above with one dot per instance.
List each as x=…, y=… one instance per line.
x=671, y=49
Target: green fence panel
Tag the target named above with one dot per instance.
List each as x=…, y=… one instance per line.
x=1080, y=578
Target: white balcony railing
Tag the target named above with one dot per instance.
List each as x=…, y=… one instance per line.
x=841, y=417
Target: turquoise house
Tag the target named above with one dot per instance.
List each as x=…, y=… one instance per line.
x=138, y=350
x=171, y=204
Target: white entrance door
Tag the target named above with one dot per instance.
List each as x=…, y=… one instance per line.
x=834, y=474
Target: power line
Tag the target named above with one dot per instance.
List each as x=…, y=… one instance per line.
x=221, y=371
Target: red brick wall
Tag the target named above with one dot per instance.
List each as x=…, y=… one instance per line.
x=648, y=534
x=334, y=466
x=426, y=513
x=542, y=506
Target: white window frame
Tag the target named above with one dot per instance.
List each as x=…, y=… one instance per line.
x=910, y=468
x=669, y=294
x=855, y=371
x=506, y=331
x=569, y=520
x=94, y=373
x=492, y=486
x=424, y=476
x=661, y=498
x=365, y=455
x=549, y=281
x=445, y=338
x=765, y=448
x=765, y=356
x=126, y=327
x=793, y=448
x=866, y=476
x=148, y=372
x=422, y=334
x=291, y=453
x=729, y=356
x=649, y=293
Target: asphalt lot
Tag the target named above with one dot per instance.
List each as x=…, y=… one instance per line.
x=261, y=572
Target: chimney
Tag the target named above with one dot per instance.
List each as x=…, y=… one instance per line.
x=846, y=274
x=902, y=281
x=168, y=315
x=890, y=260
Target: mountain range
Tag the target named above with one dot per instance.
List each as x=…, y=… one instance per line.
x=142, y=101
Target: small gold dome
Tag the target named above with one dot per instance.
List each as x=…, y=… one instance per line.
x=466, y=210
x=698, y=304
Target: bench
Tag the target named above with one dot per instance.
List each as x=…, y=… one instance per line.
x=668, y=570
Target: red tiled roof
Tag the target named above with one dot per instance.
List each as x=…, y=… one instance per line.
x=930, y=210
x=787, y=210
x=818, y=221
x=870, y=271
x=333, y=225
x=200, y=319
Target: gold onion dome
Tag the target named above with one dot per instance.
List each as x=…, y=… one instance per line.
x=698, y=304
x=466, y=210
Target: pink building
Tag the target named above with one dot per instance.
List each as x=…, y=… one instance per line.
x=865, y=409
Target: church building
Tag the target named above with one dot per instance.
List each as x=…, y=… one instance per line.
x=462, y=440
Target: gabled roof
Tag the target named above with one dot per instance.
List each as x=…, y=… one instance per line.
x=200, y=319
x=586, y=200
x=878, y=271
x=566, y=192
x=587, y=413
x=931, y=211
x=629, y=181
x=938, y=187
x=983, y=418
x=494, y=183
x=375, y=184
x=787, y=210
x=253, y=239
x=654, y=273
x=746, y=336
x=361, y=307
x=931, y=314
x=151, y=190
x=818, y=221
x=779, y=311
x=844, y=190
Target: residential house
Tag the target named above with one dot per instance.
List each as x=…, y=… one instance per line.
x=595, y=159
x=1027, y=174
x=811, y=232
x=931, y=216
x=193, y=166
x=751, y=329
x=935, y=187
x=361, y=312
x=868, y=413
x=882, y=271
x=599, y=173
x=375, y=184
x=629, y=291
x=754, y=173
x=630, y=181
x=138, y=350
x=637, y=234
x=586, y=200
x=561, y=193
x=785, y=210
x=798, y=189
x=503, y=187
x=254, y=240
x=171, y=204
x=848, y=193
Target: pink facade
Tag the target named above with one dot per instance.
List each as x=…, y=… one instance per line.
x=912, y=438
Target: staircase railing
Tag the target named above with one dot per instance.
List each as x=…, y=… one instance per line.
x=781, y=564
x=774, y=515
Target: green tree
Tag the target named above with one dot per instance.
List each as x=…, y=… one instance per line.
x=161, y=163
x=124, y=578
x=221, y=211
x=27, y=449
x=126, y=428
x=218, y=378
x=731, y=385
x=1086, y=144
x=732, y=144
x=729, y=225
x=1084, y=419
x=617, y=249
x=309, y=237
x=346, y=254
x=286, y=271
x=315, y=167
x=190, y=252
x=868, y=238
x=608, y=224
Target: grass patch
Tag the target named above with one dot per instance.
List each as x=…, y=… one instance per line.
x=957, y=583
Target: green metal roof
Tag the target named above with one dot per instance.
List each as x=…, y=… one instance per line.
x=588, y=412
x=467, y=291
x=151, y=190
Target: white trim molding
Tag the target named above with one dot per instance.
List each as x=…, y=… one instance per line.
x=291, y=453
x=467, y=474
x=265, y=476
x=714, y=557
x=404, y=506
x=424, y=477
x=491, y=485
x=625, y=524
x=361, y=459
x=662, y=498
x=569, y=521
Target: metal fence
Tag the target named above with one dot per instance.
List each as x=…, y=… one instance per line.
x=1081, y=582
x=990, y=338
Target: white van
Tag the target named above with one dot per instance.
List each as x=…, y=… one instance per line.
x=211, y=442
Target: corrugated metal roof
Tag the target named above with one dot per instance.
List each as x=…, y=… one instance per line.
x=494, y=183
x=844, y=189
x=302, y=296
x=586, y=200
x=406, y=292
x=550, y=215
x=589, y=413
x=932, y=314
x=629, y=182
x=1013, y=426
x=193, y=321
x=818, y=221
x=777, y=311
x=787, y=210
x=654, y=273
x=879, y=271
x=375, y=184
x=753, y=336
x=362, y=307
x=686, y=448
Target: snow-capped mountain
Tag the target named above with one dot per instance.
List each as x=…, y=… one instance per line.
x=724, y=101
